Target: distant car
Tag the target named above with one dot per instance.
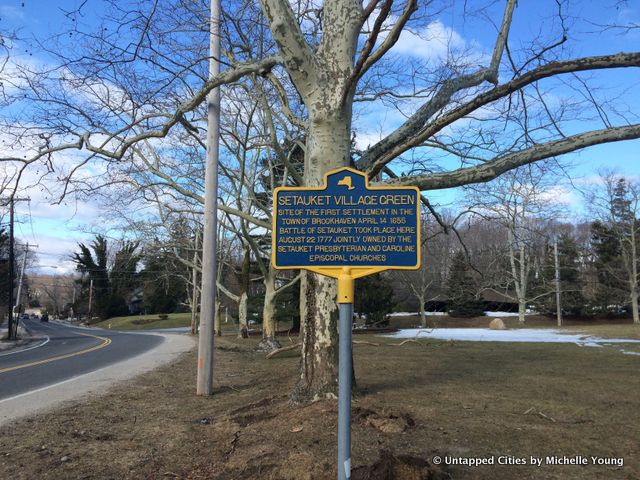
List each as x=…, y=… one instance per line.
x=44, y=318
x=24, y=316
x=34, y=316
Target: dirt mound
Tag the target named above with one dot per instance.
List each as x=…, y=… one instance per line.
x=401, y=467
x=384, y=421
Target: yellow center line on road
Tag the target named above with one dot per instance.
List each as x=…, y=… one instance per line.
x=105, y=342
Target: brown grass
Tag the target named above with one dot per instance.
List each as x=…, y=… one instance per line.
x=416, y=401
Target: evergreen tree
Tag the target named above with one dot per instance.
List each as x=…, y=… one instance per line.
x=374, y=299
x=288, y=306
x=163, y=280
x=111, y=289
x=92, y=261
x=462, y=289
x=609, y=270
x=571, y=285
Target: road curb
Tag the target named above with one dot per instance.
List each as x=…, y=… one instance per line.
x=25, y=339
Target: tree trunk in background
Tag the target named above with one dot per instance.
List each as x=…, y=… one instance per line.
x=269, y=341
x=218, y=313
x=634, y=303
x=522, y=310
x=195, y=297
x=194, y=306
x=522, y=290
x=423, y=316
x=243, y=329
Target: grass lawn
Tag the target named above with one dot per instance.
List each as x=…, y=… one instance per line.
x=609, y=331
x=146, y=322
x=417, y=400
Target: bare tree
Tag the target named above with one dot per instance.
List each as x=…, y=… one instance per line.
x=53, y=292
x=521, y=202
x=428, y=283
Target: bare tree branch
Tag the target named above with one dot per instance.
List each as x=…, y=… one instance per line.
x=493, y=168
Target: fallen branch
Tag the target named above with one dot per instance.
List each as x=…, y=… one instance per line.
x=539, y=413
x=364, y=342
x=283, y=349
x=234, y=443
x=545, y=416
x=408, y=340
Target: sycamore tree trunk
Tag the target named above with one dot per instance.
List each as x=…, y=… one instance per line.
x=324, y=78
x=216, y=320
x=194, y=306
x=423, y=316
x=328, y=147
x=522, y=295
x=243, y=329
x=319, y=364
x=269, y=342
x=522, y=310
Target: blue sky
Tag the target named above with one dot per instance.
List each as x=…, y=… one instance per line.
x=57, y=229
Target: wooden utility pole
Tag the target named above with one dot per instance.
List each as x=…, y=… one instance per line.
x=558, y=296
x=11, y=335
x=19, y=294
x=11, y=331
x=209, y=270
x=90, y=299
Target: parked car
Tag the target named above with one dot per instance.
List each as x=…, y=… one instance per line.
x=44, y=317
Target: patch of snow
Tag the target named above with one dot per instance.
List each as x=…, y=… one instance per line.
x=528, y=335
x=627, y=352
x=428, y=314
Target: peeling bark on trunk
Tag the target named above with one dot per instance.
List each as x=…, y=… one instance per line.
x=319, y=364
x=243, y=329
x=194, y=308
x=269, y=342
x=522, y=310
x=195, y=292
x=216, y=319
x=323, y=77
x=328, y=147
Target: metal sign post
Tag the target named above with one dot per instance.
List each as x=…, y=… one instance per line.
x=346, y=230
x=345, y=304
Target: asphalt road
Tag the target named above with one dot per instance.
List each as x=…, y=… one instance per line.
x=64, y=352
